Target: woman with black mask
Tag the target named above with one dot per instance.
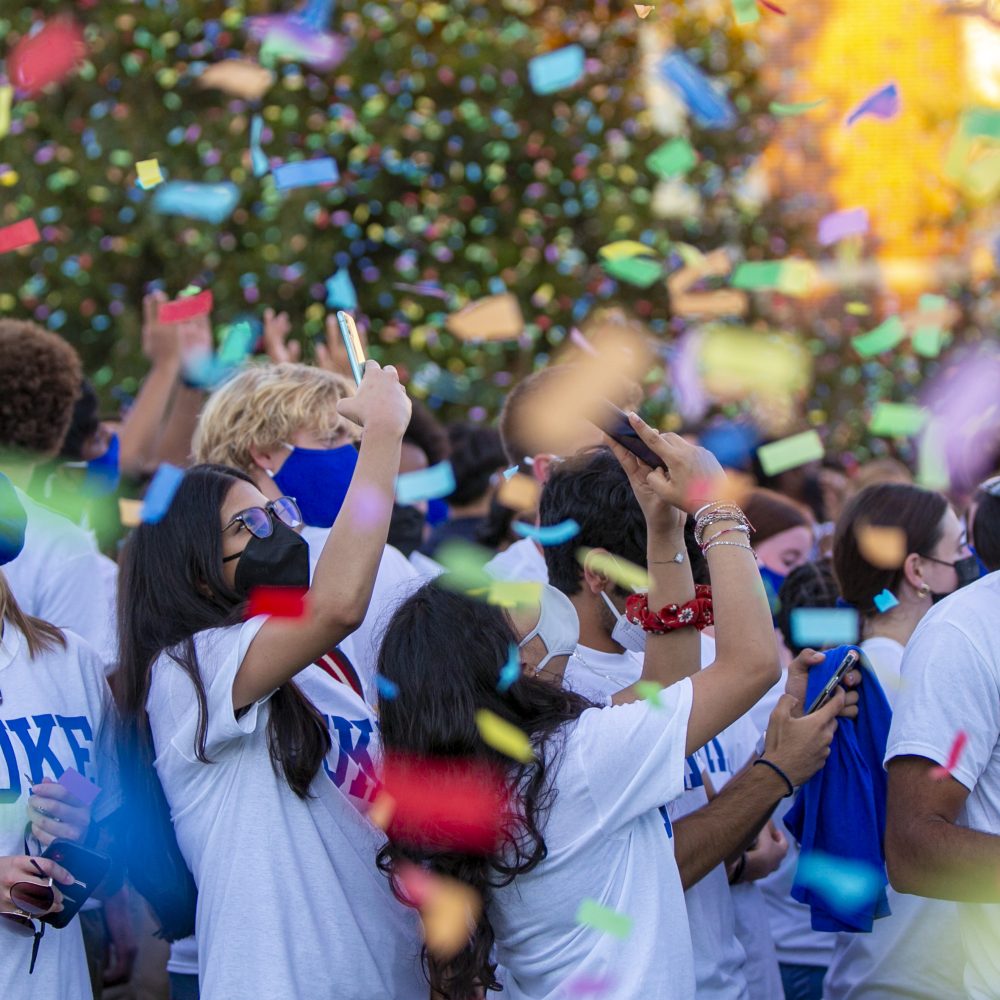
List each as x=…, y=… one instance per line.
x=289, y=903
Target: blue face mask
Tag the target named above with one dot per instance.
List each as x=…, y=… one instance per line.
x=103, y=474
x=318, y=479
x=772, y=584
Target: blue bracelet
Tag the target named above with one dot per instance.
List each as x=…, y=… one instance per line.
x=777, y=770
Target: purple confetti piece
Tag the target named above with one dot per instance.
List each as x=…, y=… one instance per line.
x=882, y=104
x=78, y=786
x=839, y=225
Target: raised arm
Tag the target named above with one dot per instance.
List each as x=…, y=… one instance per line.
x=342, y=583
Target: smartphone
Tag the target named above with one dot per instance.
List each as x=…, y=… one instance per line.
x=847, y=664
x=352, y=341
x=615, y=424
x=86, y=866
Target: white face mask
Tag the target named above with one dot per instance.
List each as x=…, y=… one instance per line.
x=627, y=634
x=558, y=626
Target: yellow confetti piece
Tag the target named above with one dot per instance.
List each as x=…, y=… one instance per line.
x=514, y=593
x=504, y=737
x=6, y=98
x=621, y=571
x=149, y=174
x=496, y=317
x=857, y=309
x=622, y=249
x=642, y=10
x=882, y=545
x=382, y=810
x=449, y=916
x=519, y=493
x=129, y=512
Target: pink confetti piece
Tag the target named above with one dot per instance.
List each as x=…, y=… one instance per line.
x=774, y=7
x=20, y=234
x=581, y=341
x=954, y=755
x=185, y=309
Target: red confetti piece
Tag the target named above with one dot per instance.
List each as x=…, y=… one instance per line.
x=279, y=602
x=961, y=739
x=20, y=234
x=772, y=6
x=46, y=57
x=445, y=804
x=184, y=309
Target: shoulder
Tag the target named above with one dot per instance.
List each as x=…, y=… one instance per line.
x=47, y=529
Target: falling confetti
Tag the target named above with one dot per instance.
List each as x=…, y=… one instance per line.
x=604, y=919
x=503, y=736
x=954, y=756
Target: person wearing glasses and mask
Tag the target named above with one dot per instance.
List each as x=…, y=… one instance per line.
x=289, y=902
x=916, y=951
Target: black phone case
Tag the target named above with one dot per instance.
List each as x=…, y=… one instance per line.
x=86, y=866
x=614, y=423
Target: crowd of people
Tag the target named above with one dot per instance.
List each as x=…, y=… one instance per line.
x=676, y=814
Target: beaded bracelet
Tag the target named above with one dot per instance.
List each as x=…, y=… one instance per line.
x=735, y=545
x=741, y=529
x=728, y=513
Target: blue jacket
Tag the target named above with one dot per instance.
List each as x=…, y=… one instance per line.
x=840, y=811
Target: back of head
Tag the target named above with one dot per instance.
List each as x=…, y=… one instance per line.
x=879, y=471
x=593, y=490
x=424, y=431
x=986, y=524
x=84, y=423
x=812, y=585
x=771, y=513
x=40, y=380
x=915, y=511
x=476, y=455
x=265, y=405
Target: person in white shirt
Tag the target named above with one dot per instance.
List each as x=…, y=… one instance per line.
x=289, y=900
x=915, y=951
x=593, y=800
x=713, y=836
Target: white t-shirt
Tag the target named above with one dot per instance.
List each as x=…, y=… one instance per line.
x=521, y=561
x=951, y=683
x=290, y=902
x=56, y=714
x=608, y=840
x=60, y=577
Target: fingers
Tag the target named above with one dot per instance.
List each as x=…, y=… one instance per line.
x=853, y=679
x=806, y=659
x=55, y=792
x=47, y=829
x=660, y=443
x=786, y=706
x=828, y=713
x=52, y=870
x=294, y=350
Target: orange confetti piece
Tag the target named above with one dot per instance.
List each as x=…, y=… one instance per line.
x=882, y=545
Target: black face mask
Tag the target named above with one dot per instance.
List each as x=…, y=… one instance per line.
x=967, y=571
x=280, y=560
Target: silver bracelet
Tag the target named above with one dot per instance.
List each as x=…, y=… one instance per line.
x=738, y=545
x=701, y=510
x=730, y=512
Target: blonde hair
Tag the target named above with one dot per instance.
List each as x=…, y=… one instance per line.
x=265, y=405
x=39, y=635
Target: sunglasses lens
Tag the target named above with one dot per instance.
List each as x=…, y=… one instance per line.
x=257, y=522
x=19, y=924
x=32, y=898
x=287, y=511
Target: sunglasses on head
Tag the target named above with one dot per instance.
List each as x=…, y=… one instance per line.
x=32, y=901
x=259, y=521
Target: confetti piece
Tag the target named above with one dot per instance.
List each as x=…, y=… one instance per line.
x=237, y=344
x=883, y=103
x=757, y=275
x=897, y=420
x=509, y=473
x=884, y=546
x=790, y=452
x=884, y=337
x=549, y=534
x=81, y=788
x=642, y=10
x=20, y=234
x=929, y=336
x=504, y=737
x=6, y=99
x=208, y=202
x=305, y=173
x=556, y=70
x=604, y=919
x=746, y=11
x=840, y=225
x=954, y=755
x=239, y=77
x=386, y=688
x=514, y=593
x=857, y=309
x=623, y=249
x=278, y=602
x=510, y=672
x=149, y=174
x=773, y=6
x=626, y=574
x=449, y=909
x=47, y=56
x=425, y=288
x=639, y=271
x=161, y=492
x=129, y=512
x=258, y=158
x=496, y=317
x=821, y=627
x=649, y=691
x=181, y=310
x=885, y=601
x=465, y=564
x=846, y=885
x=519, y=493
x=446, y=804
x=340, y=291
x=710, y=108
x=673, y=159
x=780, y=110
x=432, y=483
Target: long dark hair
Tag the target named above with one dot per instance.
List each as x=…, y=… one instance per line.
x=170, y=588
x=444, y=651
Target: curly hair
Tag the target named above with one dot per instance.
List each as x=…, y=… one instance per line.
x=40, y=380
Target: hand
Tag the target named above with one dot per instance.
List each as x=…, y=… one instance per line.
x=55, y=813
x=275, y=338
x=160, y=341
x=799, y=744
x=694, y=477
x=122, y=946
x=195, y=336
x=380, y=401
x=23, y=869
x=766, y=855
x=662, y=518
x=798, y=679
x=332, y=356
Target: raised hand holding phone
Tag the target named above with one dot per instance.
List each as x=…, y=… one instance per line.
x=352, y=344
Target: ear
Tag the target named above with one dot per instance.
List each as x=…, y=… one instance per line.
x=913, y=571
x=269, y=460
x=593, y=581
x=541, y=466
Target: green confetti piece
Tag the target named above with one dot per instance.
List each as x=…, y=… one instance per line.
x=780, y=110
x=639, y=271
x=672, y=159
x=932, y=466
x=757, y=275
x=790, y=452
x=897, y=420
x=649, y=691
x=604, y=919
x=746, y=11
x=983, y=122
x=883, y=338
x=928, y=340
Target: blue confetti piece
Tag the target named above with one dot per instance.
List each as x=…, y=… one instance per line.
x=425, y=484
x=882, y=104
x=386, y=688
x=549, y=534
x=510, y=473
x=555, y=70
x=261, y=164
x=846, y=885
x=511, y=670
x=709, y=108
x=821, y=627
x=208, y=202
x=161, y=492
x=885, y=601
x=340, y=292
x=305, y=173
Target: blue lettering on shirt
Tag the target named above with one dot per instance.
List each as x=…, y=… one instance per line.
x=353, y=769
x=51, y=743
x=666, y=822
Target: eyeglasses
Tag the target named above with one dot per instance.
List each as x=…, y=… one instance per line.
x=259, y=521
x=32, y=901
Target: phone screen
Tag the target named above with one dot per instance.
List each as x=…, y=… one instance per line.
x=352, y=341
x=614, y=423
